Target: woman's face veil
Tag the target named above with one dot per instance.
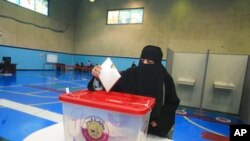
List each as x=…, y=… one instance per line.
x=151, y=76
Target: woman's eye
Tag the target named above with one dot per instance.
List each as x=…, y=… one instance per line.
x=151, y=62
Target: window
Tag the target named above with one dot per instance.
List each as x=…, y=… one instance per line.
x=125, y=16
x=40, y=6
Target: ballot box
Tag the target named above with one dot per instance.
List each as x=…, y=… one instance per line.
x=102, y=116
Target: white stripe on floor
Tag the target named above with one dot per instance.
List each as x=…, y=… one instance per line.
x=202, y=127
x=31, y=110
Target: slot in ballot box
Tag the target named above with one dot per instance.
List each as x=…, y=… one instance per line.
x=102, y=116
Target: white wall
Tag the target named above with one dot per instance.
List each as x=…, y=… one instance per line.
x=228, y=69
x=190, y=66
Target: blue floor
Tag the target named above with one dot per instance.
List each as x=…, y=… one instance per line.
x=41, y=89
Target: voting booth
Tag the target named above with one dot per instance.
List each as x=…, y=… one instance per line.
x=208, y=81
x=105, y=116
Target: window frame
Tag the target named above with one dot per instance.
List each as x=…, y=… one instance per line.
x=108, y=22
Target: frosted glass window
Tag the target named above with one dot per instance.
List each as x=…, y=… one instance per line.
x=27, y=4
x=136, y=16
x=14, y=1
x=125, y=16
x=40, y=6
x=113, y=17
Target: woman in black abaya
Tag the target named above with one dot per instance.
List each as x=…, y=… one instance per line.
x=149, y=78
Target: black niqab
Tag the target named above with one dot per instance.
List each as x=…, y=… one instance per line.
x=150, y=77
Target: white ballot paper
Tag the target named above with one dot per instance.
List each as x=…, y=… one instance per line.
x=109, y=74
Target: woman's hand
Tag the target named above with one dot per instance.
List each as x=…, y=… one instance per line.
x=96, y=71
x=153, y=123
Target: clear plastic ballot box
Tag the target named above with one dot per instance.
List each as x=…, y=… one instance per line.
x=102, y=116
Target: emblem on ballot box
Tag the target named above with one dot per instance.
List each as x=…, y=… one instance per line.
x=95, y=129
